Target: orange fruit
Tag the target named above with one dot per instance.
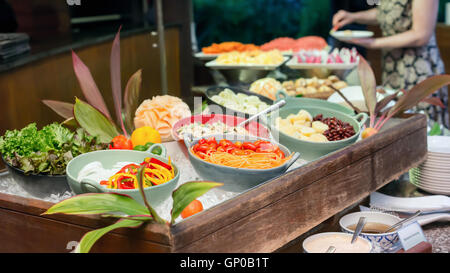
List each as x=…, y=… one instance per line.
x=368, y=132
x=193, y=208
x=144, y=135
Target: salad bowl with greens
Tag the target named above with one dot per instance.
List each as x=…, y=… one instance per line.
x=37, y=159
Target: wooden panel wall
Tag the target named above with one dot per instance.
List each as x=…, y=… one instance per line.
x=22, y=89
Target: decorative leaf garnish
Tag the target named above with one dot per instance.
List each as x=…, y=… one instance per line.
x=89, y=239
x=187, y=193
x=140, y=179
x=88, y=86
x=116, y=82
x=436, y=130
x=419, y=92
x=385, y=101
x=98, y=203
x=131, y=98
x=434, y=101
x=94, y=122
x=369, y=85
x=64, y=109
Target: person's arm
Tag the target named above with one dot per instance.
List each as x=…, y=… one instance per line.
x=424, y=13
x=367, y=17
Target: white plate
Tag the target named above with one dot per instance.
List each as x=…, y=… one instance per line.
x=294, y=64
x=205, y=57
x=346, y=35
x=438, y=160
x=430, y=179
x=439, y=145
x=434, y=168
x=432, y=184
x=421, y=184
x=355, y=95
x=213, y=64
x=432, y=189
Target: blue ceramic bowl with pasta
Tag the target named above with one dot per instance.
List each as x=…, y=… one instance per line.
x=237, y=179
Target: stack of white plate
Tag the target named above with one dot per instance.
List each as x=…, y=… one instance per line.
x=433, y=175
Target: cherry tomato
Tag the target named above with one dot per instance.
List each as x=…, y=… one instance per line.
x=230, y=149
x=201, y=155
x=203, y=148
x=266, y=148
x=280, y=153
x=249, y=146
x=225, y=143
x=238, y=144
x=120, y=142
x=211, y=140
x=213, y=146
x=193, y=208
x=195, y=147
x=202, y=141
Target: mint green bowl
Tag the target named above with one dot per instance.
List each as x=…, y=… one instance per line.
x=108, y=158
x=308, y=102
x=314, y=150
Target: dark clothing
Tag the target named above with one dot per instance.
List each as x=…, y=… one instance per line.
x=351, y=6
x=8, y=21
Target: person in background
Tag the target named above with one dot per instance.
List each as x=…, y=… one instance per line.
x=409, y=46
x=8, y=21
x=350, y=6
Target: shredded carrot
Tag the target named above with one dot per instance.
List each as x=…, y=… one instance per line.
x=251, y=161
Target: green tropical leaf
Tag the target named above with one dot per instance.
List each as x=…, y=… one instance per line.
x=98, y=203
x=94, y=122
x=131, y=98
x=187, y=193
x=140, y=179
x=91, y=237
x=436, y=130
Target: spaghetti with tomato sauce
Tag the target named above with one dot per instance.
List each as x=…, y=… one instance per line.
x=260, y=154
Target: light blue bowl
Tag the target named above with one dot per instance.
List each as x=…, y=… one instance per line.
x=108, y=158
x=237, y=179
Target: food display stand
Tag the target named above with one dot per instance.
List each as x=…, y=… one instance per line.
x=262, y=219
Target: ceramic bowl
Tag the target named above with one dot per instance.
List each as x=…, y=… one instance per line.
x=340, y=240
x=237, y=179
x=313, y=150
x=310, y=102
x=39, y=185
x=155, y=195
x=254, y=128
x=216, y=90
x=383, y=240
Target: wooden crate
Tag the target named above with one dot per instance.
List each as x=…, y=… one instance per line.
x=261, y=220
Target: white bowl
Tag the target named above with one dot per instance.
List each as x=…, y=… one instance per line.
x=355, y=95
x=340, y=240
x=383, y=240
x=439, y=145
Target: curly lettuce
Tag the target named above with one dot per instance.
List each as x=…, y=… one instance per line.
x=46, y=151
